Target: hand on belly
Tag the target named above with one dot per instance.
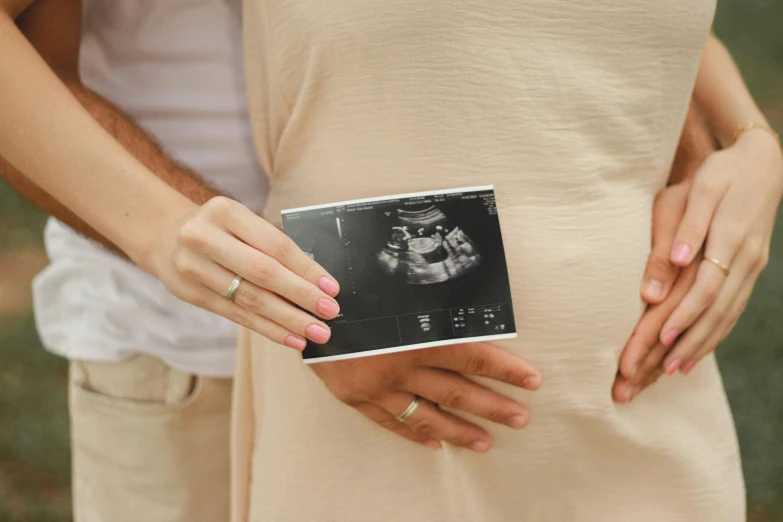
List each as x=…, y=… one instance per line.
x=402, y=391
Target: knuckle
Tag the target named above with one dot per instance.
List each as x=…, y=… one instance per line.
x=345, y=394
x=763, y=259
x=423, y=426
x=242, y=319
x=311, y=273
x=478, y=364
x=759, y=252
x=218, y=206
x=389, y=423
x=262, y=270
x=281, y=248
x=191, y=235
x=707, y=187
x=304, y=294
x=511, y=375
x=497, y=415
x=193, y=295
x=659, y=264
x=711, y=290
x=455, y=398
x=733, y=236
x=250, y=300
x=691, y=230
x=186, y=267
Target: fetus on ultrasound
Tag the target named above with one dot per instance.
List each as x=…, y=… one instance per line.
x=424, y=248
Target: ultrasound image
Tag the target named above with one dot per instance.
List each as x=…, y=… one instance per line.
x=425, y=249
x=416, y=270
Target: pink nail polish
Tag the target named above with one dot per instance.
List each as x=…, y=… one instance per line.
x=687, y=367
x=327, y=308
x=318, y=333
x=295, y=342
x=681, y=253
x=670, y=337
x=329, y=285
x=672, y=365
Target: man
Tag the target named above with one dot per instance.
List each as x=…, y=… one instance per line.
x=150, y=375
x=149, y=393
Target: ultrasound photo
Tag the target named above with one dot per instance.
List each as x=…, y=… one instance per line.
x=415, y=270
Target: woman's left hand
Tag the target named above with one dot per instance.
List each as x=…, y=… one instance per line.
x=731, y=213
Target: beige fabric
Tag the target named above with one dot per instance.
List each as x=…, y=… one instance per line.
x=149, y=443
x=572, y=109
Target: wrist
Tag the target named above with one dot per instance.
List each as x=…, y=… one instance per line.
x=152, y=246
x=760, y=144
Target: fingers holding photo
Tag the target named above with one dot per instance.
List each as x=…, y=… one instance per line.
x=222, y=258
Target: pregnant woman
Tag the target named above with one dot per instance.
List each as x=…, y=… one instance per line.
x=572, y=110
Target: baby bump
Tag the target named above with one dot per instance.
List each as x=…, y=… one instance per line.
x=575, y=275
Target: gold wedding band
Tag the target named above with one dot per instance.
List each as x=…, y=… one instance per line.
x=408, y=413
x=232, y=290
x=718, y=264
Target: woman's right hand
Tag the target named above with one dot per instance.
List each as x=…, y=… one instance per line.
x=198, y=255
x=383, y=386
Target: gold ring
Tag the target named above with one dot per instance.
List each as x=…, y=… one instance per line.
x=718, y=264
x=404, y=416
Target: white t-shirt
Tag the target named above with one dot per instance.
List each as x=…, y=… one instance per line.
x=176, y=68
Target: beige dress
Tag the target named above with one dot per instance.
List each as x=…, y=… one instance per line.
x=572, y=109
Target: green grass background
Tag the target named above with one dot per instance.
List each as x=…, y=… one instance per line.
x=34, y=446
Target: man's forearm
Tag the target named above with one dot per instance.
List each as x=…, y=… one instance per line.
x=136, y=141
x=50, y=137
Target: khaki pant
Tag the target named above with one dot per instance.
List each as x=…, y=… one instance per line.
x=150, y=443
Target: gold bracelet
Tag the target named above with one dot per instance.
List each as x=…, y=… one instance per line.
x=745, y=127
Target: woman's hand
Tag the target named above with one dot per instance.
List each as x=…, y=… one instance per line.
x=733, y=202
x=199, y=254
x=664, y=287
x=382, y=386
x=732, y=206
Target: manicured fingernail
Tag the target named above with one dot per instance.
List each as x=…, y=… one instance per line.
x=628, y=394
x=670, y=337
x=480, y=446
x=634, y=369
x=672, y=365
x=681, y=253
x=432, y=444
x=295, y=342
x=327, y=308
x=329, y=285
x=517, y=422
x=653, y=289
x=532, y=382
x=687, y=367
x=318, y=333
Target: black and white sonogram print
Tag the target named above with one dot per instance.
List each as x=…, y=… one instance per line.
x=415, y=270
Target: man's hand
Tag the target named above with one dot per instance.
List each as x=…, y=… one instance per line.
x=664, y=284
x=382, y=387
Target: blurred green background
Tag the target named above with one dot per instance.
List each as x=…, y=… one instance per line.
x=34, y=446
